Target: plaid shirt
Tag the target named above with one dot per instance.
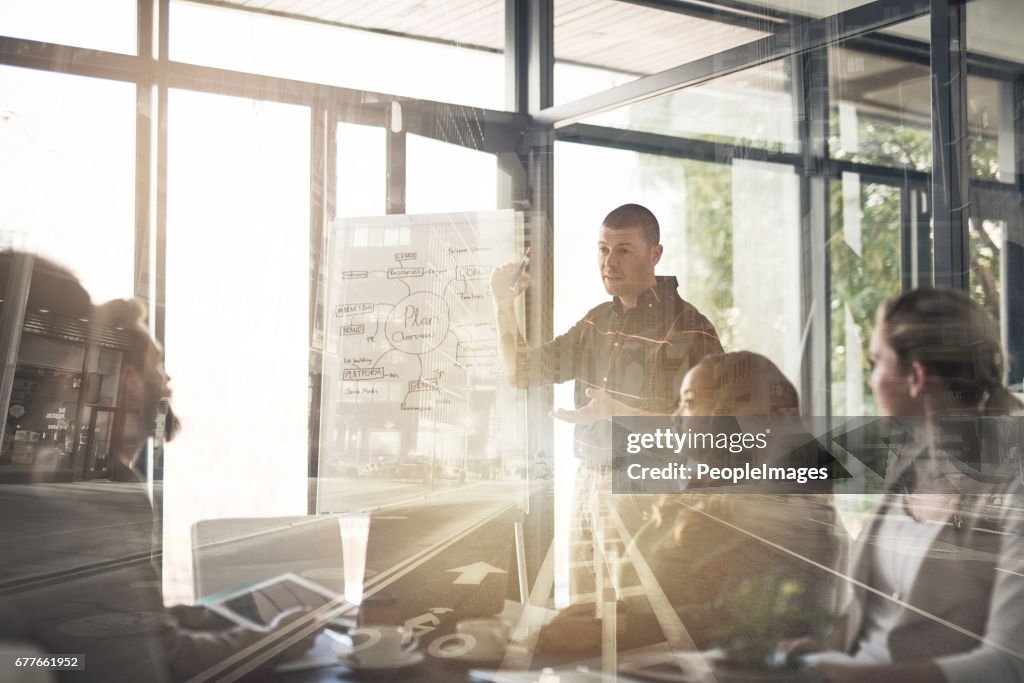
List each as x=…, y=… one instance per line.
x=638, y=355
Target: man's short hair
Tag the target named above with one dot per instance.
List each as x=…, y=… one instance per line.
x=634, y=216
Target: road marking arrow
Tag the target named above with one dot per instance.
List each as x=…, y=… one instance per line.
x=473, y=574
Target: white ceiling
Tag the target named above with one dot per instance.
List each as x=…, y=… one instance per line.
x=607, y=33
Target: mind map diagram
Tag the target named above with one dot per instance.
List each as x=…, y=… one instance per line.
x=414, y=325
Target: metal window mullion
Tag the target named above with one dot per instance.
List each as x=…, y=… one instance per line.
x=915, y=235
x=811, y=88
x=395, y=139
x=1013, y=254
x=541, y=59
x=145, y=154
x=671, y=146
x=517, y=52
x=951, y=172
x=34, y=54
x=321, y=196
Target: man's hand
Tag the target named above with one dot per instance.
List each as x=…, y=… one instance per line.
x=601, y=407
x=501, y=280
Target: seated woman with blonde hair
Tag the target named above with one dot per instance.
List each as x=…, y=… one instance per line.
x=938, y=571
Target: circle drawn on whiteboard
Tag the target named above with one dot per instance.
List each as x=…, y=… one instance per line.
x=418, y=323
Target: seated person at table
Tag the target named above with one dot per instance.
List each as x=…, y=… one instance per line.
x=79, y=576
x=700, y=546
x=938, y=571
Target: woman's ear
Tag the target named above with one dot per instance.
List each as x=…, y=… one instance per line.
x=917, y=379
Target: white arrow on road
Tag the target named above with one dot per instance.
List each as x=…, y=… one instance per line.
x=473, y=574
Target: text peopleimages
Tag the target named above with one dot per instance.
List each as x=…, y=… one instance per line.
x=799, y=475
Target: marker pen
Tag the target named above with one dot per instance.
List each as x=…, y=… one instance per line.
x=522, y=268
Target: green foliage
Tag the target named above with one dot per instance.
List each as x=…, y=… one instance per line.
x=860, y=280
x=886, y=143
x=703, y=198
x=757, y=613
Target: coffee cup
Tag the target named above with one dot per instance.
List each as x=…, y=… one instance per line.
x=476, y=639
x=378, y=646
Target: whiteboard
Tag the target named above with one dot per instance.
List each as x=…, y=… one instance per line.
x=410, y=366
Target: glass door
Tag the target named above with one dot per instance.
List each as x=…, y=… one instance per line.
x=96, y=440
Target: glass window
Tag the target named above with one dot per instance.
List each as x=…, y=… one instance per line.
x=880, y=109
x=320, y=52
x=990, y=130
x=575, y=81
x=362, y=170
x=865, y=243
x=987, y=241
x=98, y=24
x=880, y=115
x=620, y=41
x=237, y=334
x=993, y=124
x=67, y=173
x=993, y=29
x=752, y=108
x=442, y=177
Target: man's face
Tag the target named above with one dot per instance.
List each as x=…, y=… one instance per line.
x=626, y=261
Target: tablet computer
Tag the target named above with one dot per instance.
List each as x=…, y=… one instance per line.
x=257, y=605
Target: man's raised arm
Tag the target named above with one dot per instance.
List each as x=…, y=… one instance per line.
x=510, y=338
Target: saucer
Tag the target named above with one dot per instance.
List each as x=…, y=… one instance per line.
x=406, y=660
x=465, y=653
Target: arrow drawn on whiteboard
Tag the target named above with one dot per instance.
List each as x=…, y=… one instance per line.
x=473, y=574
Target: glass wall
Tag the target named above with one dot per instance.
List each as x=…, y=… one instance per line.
x=879, y=116
x=751, y=108
x=333, y=51
x=865, y=247
x=602, y=43
x=361, y=183
x=335, y=364
x=100, y=25
x=237, y=338
x=710, y=216
x=67, y=173
x=994, y=145
x=468, y=181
